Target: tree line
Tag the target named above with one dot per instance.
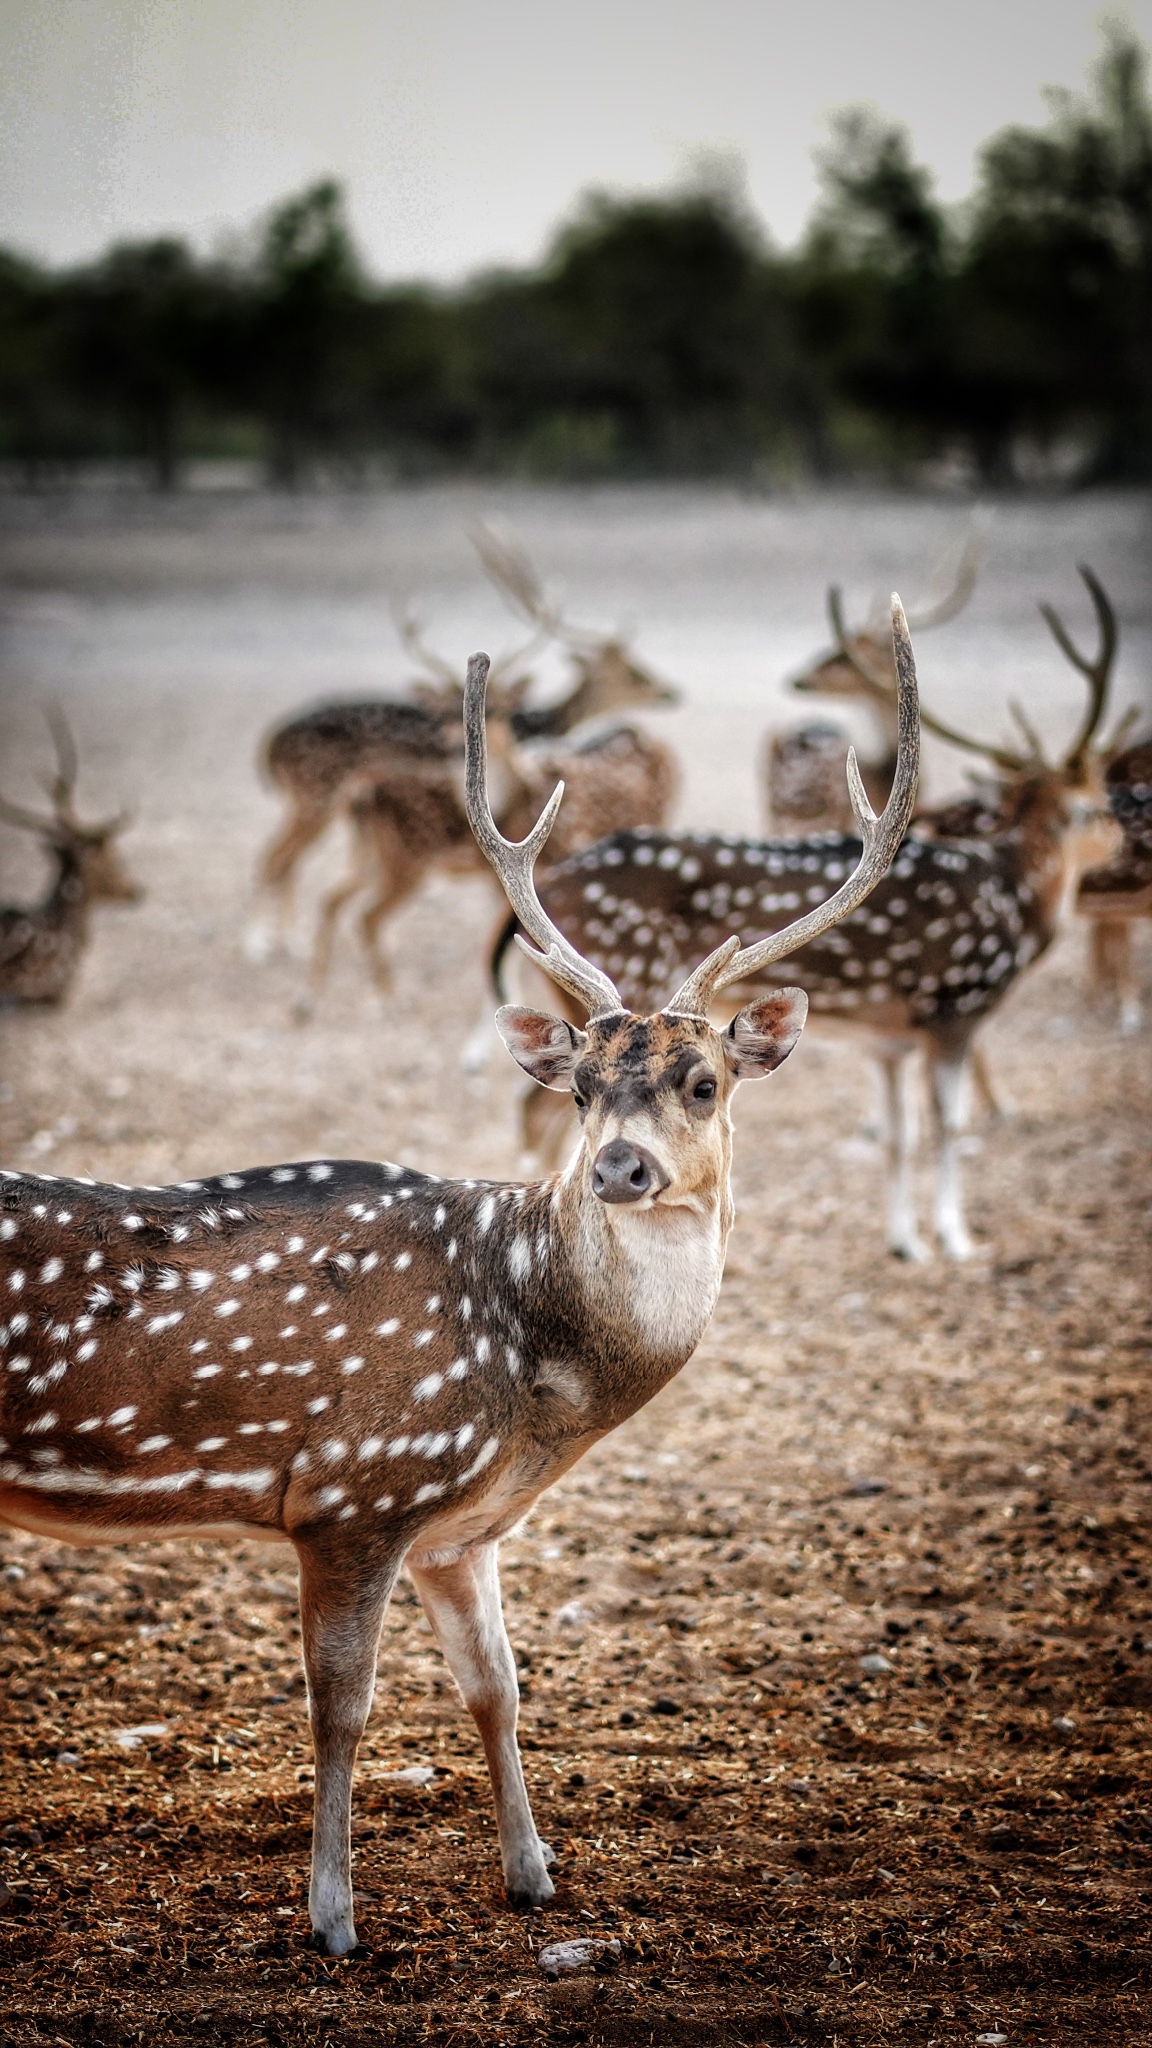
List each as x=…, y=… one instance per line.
x=660, y=336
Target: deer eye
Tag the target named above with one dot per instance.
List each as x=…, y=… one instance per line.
x=581, y=1101
x=704, y=1091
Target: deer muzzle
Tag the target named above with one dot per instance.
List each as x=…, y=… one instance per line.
x=626, y=1173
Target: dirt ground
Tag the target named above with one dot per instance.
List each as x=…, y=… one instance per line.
x=946, y=1467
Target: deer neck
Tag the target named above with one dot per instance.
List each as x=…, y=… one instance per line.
x=628, y=1291
x=66, y=905
x=1046, y=848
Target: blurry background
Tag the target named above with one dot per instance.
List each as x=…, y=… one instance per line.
x=364, y=241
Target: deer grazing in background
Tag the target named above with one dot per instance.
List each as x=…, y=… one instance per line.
x=803, y=766
x=942, y=940
x=384, y=1368
x=1117, y=896
x=41, y=947
x=321, y=758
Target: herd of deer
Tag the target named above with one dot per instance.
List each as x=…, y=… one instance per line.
x=386, y=1369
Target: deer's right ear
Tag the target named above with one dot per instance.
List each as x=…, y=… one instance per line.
x=762, y=1036
x=546, y=1047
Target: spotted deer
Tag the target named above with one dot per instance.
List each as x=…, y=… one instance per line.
x=959, y=916
x=803, y=766
x=383, y=1368
x=1118, y=895
x=41, y=947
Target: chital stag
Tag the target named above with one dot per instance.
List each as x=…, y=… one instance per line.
x=41, y=947
x=387, y=1369
x=803, y=766
x=1118, y=896
x=941, y=942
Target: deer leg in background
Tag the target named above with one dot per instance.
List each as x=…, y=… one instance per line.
x=948, y=1071
x=900, y=1141
x=342, y=1607
x=995, y=1104
x=402, y=877
x=462, y=1602
x=330, y=909
x=277, y=875
x=1114, y=968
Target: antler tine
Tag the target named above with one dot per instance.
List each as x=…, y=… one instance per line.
x=1098, y=672
x=881, y=836
x=1035, y=743
x=510, y=568
x=1120, y=731
x=512, y=862
x=63, y=784
x=955, y=599
x=409, y=632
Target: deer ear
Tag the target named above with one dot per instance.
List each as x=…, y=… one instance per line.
x=761, y=1037
x=546, y=1047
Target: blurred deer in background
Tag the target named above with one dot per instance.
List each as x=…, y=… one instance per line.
x=41, y=947
x=803, y=770
x=324, y=758
x=384, y=1368
x=1118, y=896
x=943, y=939
x=406, y=826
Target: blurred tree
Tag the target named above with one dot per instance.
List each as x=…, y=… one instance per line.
x=1058, y=269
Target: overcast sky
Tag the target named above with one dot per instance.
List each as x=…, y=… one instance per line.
x=465, y=128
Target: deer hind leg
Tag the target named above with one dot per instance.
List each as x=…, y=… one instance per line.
x=342, y=1609
x=900, y=1140
x=462, y=1602
x=948, y=1070
x=277, y=874
x=995, y=1105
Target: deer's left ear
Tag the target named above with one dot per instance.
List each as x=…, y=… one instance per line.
x=761, y=1037
x=546, y=1047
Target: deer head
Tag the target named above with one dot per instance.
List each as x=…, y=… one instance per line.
x=860, y=664
x=90, y=850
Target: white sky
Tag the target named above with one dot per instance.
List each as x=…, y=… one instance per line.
x=465, y=128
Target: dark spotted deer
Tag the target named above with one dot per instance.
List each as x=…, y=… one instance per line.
x=959, y=916
x=803, y=766
x=386, y=1369
x=41, y=947
x=1118, y=895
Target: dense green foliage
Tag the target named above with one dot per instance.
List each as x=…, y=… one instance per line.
x=660, y=336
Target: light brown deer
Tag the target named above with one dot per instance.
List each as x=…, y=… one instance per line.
x=385, y=1369
x=941, y=942
x=41, y=947
x=406, y=826
x=803, y=766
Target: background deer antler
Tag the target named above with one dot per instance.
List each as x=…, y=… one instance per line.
x=881, y=836
x=1098, y=672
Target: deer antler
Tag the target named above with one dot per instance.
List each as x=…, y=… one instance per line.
x=511, y=570
x=882, y=686
x=63, y=785
x=1098, y=672
x=955, y=599
x=512, y=862
x=881, y=836
x=410, y=633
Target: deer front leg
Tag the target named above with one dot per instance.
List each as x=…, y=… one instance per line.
x=462, y=1602
x=948, y=1072
x=342, y=1607
x=900, y=1142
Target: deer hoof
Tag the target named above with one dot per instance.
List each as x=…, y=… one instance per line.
x=339, y=1940
x=911, y=1250
x=527, y=1883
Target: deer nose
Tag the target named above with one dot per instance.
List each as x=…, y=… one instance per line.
x=625, y=1173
